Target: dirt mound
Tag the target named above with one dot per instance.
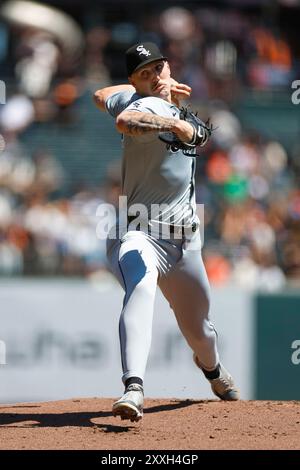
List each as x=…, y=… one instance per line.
x=167, y=424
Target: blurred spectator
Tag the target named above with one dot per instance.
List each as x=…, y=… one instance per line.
x=49, y=174
x=272, y=62
x=38, y=65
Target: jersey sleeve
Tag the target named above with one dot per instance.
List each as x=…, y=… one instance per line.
x=149, y=105
x=117, y=102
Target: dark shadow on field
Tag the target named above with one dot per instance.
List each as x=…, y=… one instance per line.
x=175, y=405
x=19, y=406
x=80, y=419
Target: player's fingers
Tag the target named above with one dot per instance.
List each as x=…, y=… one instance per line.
x=183, y=87
x=181, y=93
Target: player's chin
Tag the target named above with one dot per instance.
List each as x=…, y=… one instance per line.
x=162, y=92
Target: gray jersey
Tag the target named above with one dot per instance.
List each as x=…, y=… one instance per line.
x=152, y=174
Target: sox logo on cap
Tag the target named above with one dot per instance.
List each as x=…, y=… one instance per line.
x=142, y=50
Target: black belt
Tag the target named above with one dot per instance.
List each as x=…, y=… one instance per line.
x=172, y=228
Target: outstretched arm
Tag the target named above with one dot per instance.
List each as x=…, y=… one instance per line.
x=100, y=96
x=135, y=123
x=179, y=91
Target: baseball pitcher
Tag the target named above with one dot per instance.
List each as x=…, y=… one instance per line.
x=158, y=240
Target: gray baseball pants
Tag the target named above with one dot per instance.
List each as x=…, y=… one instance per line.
x=140, y=263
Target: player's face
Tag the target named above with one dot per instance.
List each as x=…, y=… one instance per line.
x=153, y=80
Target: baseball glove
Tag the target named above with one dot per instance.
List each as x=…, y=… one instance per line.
x=202, y=132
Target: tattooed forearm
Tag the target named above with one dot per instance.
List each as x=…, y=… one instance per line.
x=141, y=123
x=145, y=123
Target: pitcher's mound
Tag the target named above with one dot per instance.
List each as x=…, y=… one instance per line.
x=167, y=424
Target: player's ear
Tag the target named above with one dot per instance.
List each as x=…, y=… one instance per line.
x=131, y=81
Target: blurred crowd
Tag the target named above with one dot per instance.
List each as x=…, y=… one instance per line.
x=251, y=194
x=248, y=183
